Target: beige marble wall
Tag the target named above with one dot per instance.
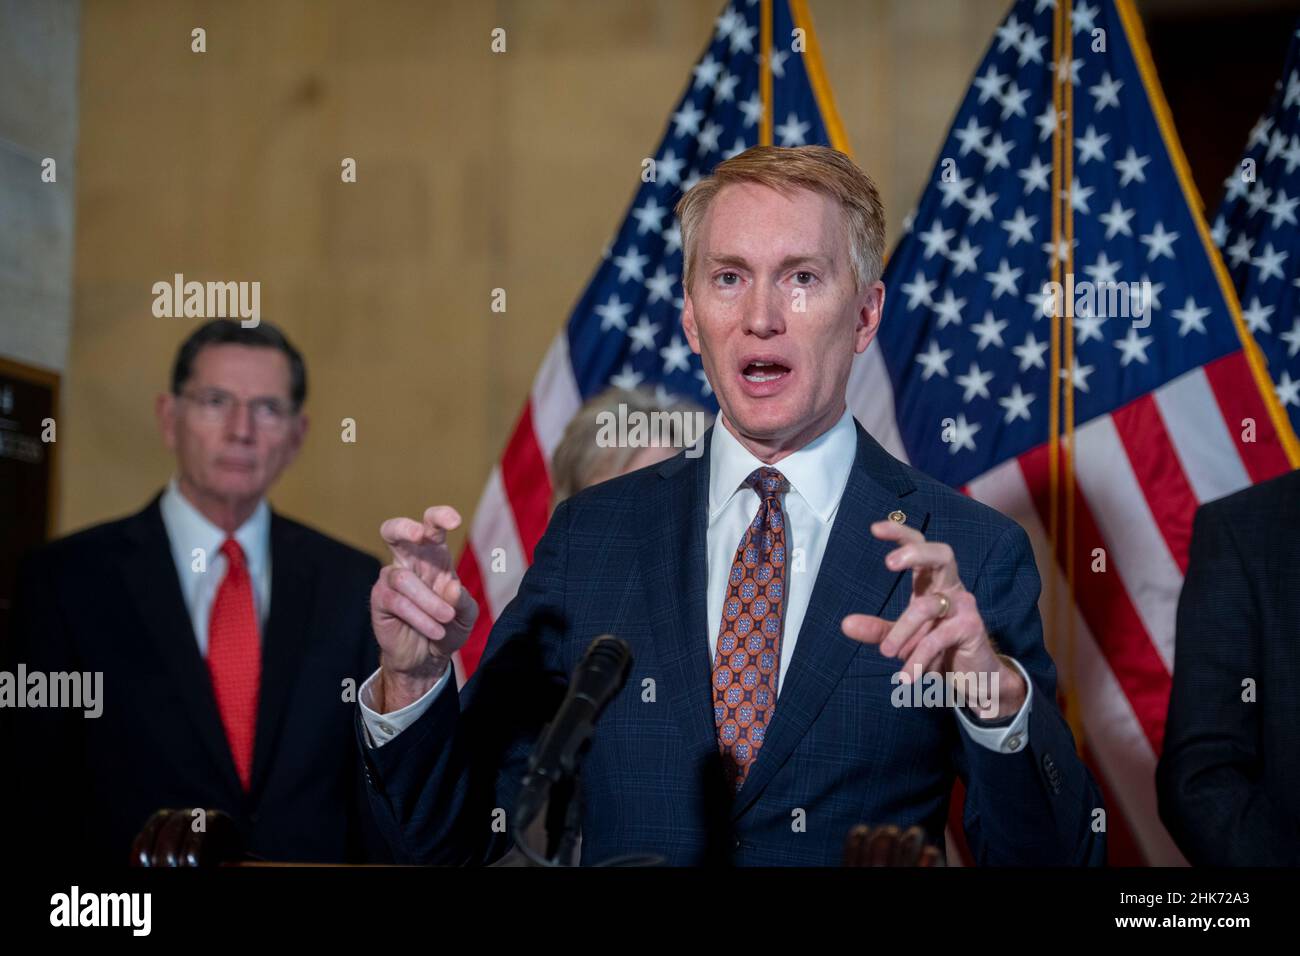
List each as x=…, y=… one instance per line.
x=475, y=171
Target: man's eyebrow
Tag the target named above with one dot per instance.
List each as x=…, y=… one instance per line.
x=786, y=263
x=251, y=398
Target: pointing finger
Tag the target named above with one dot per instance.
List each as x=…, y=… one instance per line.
x=929, y=650
x=438, y=520
x=895, y=531
x=865, y=628
x=923, y=609
x=391, y=603
x=396, y=531
x=425, y=598
x=922, y=554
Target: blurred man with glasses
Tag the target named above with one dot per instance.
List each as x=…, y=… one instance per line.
x=228, y=637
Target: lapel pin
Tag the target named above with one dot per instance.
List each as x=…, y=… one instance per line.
x=897, y=516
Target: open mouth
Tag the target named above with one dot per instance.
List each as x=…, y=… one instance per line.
x=759, y=372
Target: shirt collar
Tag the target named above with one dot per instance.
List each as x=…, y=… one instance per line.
x=818, y=472
x=189, y=529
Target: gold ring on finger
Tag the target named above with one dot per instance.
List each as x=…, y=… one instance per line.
x=946, y=606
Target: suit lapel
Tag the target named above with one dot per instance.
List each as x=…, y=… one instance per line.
x=153, y=587
x=675, y=593
x=284, y=639
x=852, y=578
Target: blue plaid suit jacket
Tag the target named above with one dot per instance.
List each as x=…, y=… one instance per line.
x=627, y=557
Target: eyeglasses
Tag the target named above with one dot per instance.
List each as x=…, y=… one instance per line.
x=214, y=406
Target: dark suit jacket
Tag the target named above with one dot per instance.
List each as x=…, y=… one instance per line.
x=108, y=599
x=628, y=557
x=1229, y=774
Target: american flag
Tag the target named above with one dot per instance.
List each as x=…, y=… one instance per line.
x=959, y=380
x=626, y=329
x=1256, y=228
x=1168, y=410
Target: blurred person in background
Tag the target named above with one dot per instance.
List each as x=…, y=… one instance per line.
x=226, y=635
x=582, y=459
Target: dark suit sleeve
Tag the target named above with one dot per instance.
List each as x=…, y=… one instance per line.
x=444, y=789
x=1208, y=779
x=45, y=746
x=365, y=841
x=1036, y=806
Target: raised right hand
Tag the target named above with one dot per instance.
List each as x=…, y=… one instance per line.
x=420, y=611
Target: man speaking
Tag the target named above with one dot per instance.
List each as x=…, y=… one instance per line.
x=771, y=590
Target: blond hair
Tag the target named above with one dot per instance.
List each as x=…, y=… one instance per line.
x=578, y=459
x=785, y=169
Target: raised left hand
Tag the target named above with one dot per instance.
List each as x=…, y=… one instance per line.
x=941, y=629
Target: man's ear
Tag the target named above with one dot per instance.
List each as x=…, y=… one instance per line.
x=165, y=411
x=869, y=315
x=688, y=322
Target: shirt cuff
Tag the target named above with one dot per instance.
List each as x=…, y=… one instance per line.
x=1012, y=738
x=381, y=728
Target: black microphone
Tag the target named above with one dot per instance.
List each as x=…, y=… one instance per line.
x=600, y=675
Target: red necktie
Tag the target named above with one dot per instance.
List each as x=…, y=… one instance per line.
x=235, y=658
x=748, y=658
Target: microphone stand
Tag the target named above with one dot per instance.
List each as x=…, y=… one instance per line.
x=555, y=828
x=570, y=827
x=558, y=826
x=548, y=792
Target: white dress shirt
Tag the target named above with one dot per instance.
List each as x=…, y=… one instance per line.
x=817, y=475
x=192, y=536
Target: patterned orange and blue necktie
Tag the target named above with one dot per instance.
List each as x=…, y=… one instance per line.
x=748, y=657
